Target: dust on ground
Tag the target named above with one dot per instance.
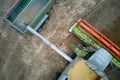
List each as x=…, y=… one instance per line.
x=28, y=58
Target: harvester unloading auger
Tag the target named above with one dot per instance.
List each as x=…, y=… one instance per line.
x=47, y=42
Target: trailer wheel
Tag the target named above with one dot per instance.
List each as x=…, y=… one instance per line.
x=45, y=22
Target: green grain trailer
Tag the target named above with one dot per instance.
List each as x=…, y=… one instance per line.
x=33, y=12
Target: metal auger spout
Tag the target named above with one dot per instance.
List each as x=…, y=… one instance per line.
x=48, y=42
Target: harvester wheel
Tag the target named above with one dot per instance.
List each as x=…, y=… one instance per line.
x=56, y=75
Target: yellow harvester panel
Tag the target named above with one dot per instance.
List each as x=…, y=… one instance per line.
x=82, y=72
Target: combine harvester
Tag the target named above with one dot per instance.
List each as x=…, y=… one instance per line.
x=96, y=55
